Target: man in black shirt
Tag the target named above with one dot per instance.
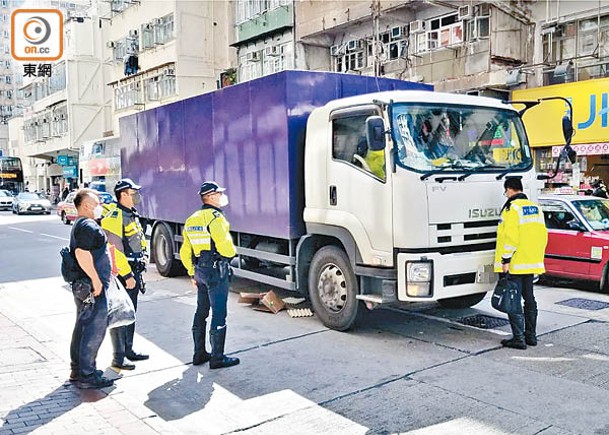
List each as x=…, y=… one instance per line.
x=89, y=244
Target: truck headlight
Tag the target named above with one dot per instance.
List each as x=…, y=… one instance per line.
x=419, y=277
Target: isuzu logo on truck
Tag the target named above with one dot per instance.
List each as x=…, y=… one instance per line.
x=484, y=212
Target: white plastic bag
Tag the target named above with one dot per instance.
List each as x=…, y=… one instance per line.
x=120, y=307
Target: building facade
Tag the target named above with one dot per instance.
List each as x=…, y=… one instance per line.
x=164, y=51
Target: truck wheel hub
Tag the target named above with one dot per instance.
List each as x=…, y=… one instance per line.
x=332, y=288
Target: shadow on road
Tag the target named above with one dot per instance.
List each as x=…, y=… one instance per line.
x=31, y=416
x=182, y=396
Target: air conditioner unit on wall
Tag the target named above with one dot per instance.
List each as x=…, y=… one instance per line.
x=396, y=32
x=465, y=12
x=417, y=26
x=252, y=56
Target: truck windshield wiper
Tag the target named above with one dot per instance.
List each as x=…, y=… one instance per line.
x=454, y=165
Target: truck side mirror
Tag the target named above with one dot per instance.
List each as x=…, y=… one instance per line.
x=375, y=133
x=567, y=129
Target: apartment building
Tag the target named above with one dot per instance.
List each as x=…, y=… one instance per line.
x=264, y=37
x=71, y=106
x=10, y=78
x=456, y=45
x=164, y=51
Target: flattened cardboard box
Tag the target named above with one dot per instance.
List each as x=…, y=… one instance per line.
x=250, y=298
x=272, y=302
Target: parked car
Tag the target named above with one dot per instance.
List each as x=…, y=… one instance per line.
x=578, y=237
x=6, y=200
x=30, y=202
x=66, y=209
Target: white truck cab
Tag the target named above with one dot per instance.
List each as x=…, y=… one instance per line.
x=411, y=185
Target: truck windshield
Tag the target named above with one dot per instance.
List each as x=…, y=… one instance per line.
x=449, y=138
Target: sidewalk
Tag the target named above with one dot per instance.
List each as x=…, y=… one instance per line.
x=35, y=394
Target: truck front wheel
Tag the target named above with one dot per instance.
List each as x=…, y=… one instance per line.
x=163, y=252
x=332, y=288
x=462, y=301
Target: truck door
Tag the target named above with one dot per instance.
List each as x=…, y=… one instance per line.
x=359, y=190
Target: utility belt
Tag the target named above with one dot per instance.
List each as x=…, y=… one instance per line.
x=138, y=267
x=211, y=261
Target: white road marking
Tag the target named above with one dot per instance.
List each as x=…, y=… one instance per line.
x=54, y=237
x=22, y=230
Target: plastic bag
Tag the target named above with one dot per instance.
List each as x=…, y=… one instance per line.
x=120, y=307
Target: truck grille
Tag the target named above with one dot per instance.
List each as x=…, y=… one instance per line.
x=463, y=233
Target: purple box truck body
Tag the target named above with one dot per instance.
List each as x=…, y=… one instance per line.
x=249, y=138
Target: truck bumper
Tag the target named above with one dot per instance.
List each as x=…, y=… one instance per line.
x=451, y=275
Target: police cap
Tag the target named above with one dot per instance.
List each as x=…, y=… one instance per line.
x=210, y=187
x=126, y=183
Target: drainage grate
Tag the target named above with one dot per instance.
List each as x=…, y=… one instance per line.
x=584, y=304
x=483, y=322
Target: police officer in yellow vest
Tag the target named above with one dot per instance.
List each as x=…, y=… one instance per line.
x=521, y=243
x=207, y=248
x=122, y=226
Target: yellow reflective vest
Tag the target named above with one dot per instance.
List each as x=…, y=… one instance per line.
x=200, y=229
x=521, y=238
x=376, y=162
x=123, y=227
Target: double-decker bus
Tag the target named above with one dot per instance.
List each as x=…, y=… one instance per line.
x=11, y=174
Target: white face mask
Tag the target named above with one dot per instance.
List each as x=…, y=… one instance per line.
x=223, y=201
x=98, y=211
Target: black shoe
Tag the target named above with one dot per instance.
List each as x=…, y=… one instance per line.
x=137, y=356
x=223, y=361
x=201, y=358
x=514, y=344
x=74, y=374
x=123, y=366
x=93, y=382
x=531, y=341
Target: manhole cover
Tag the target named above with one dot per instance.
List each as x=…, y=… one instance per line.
x=584, y=304
x=483, y=322
x=19, y=355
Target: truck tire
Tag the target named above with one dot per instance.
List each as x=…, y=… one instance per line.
x=462, y=301
x=332, y=288
x=163, y=252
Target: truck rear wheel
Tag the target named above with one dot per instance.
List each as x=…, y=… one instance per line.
x=163, y=252
x=462, y=301
x=332, y=288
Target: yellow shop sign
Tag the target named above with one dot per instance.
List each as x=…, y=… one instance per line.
x=590, y=100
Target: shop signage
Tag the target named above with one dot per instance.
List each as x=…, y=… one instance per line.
x=70, y=172
x=62, y=160
x=590, y=149
x=590, y=99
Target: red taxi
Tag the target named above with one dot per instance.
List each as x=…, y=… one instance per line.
x=578, y=237
x=66, y=209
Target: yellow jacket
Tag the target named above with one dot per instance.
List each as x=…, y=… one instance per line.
x=125, y=232
x=376, y=162
x=200, y=229
x=521, y=238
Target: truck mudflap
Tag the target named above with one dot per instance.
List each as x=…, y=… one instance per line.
x=434, y=276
